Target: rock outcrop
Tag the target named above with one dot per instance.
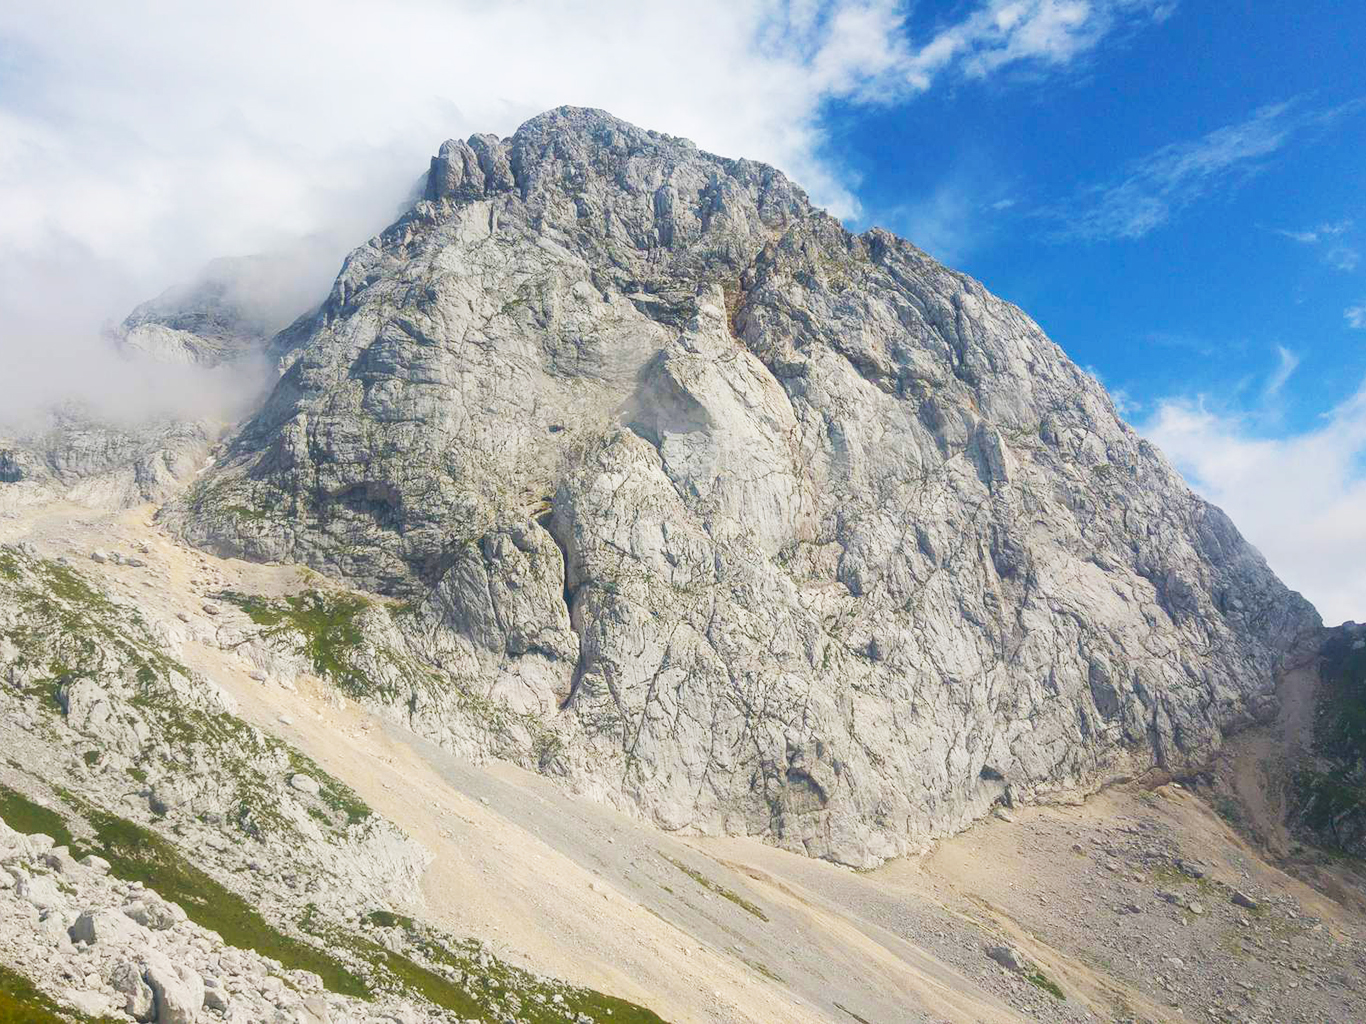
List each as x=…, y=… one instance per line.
x=775, y=529
x=76, y=455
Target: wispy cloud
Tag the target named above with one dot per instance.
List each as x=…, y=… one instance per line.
x=1312, y=236
x=1287, y=362
x=1356, y=316
x=861, y=48
x=1125, y=404
x=1005, y=32
x=1166, y=181
x=1343, y=258
x=1300, y=498
x=1338, y=254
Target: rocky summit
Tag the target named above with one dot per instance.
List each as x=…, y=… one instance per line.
x=733, y=518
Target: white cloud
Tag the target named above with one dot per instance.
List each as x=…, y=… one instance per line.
x=1004, y=32
x=141, y=139
x=1312, y=236
x=1343, y=258
x=1300, y=499
x=1170, y=179
x=1338, y=255
x=1125, y=404
x=1356, y=316
x=1287, y=362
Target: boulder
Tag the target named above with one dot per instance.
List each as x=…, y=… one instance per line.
x=89, y=1002
x=41, y=891
x=127, y=980
x=154, y=914
x=305, y=784
x=1008, y=957
x=215, y=995
x=178, y=991
x=105, y=928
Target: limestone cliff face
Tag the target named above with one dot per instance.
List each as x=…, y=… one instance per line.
x=770, y=527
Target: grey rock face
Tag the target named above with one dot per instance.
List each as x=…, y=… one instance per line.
x=777, y=529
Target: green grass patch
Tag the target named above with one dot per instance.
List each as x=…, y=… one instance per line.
x=69, y=630
x=23, y=815
x=716, y=887
x=465, y=978
x=340, y=798
x=326, y=626
x=388, y=919
x=137, y=854
x=491, y=975
x=1038, y=978
x=22, y=1003
x=477, y=986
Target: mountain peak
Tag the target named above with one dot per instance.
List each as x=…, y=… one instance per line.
x=804, y=534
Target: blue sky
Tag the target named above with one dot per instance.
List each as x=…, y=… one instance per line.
x=1184, y=211
x=1172, y=188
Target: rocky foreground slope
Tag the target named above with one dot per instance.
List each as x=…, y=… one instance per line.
x=733, y=517
x=166, y=748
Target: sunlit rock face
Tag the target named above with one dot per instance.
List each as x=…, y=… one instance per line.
x=734, y=518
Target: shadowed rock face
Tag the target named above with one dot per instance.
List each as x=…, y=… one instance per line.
x=774, y=528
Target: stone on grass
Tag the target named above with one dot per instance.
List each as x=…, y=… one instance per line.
x=305, y=784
